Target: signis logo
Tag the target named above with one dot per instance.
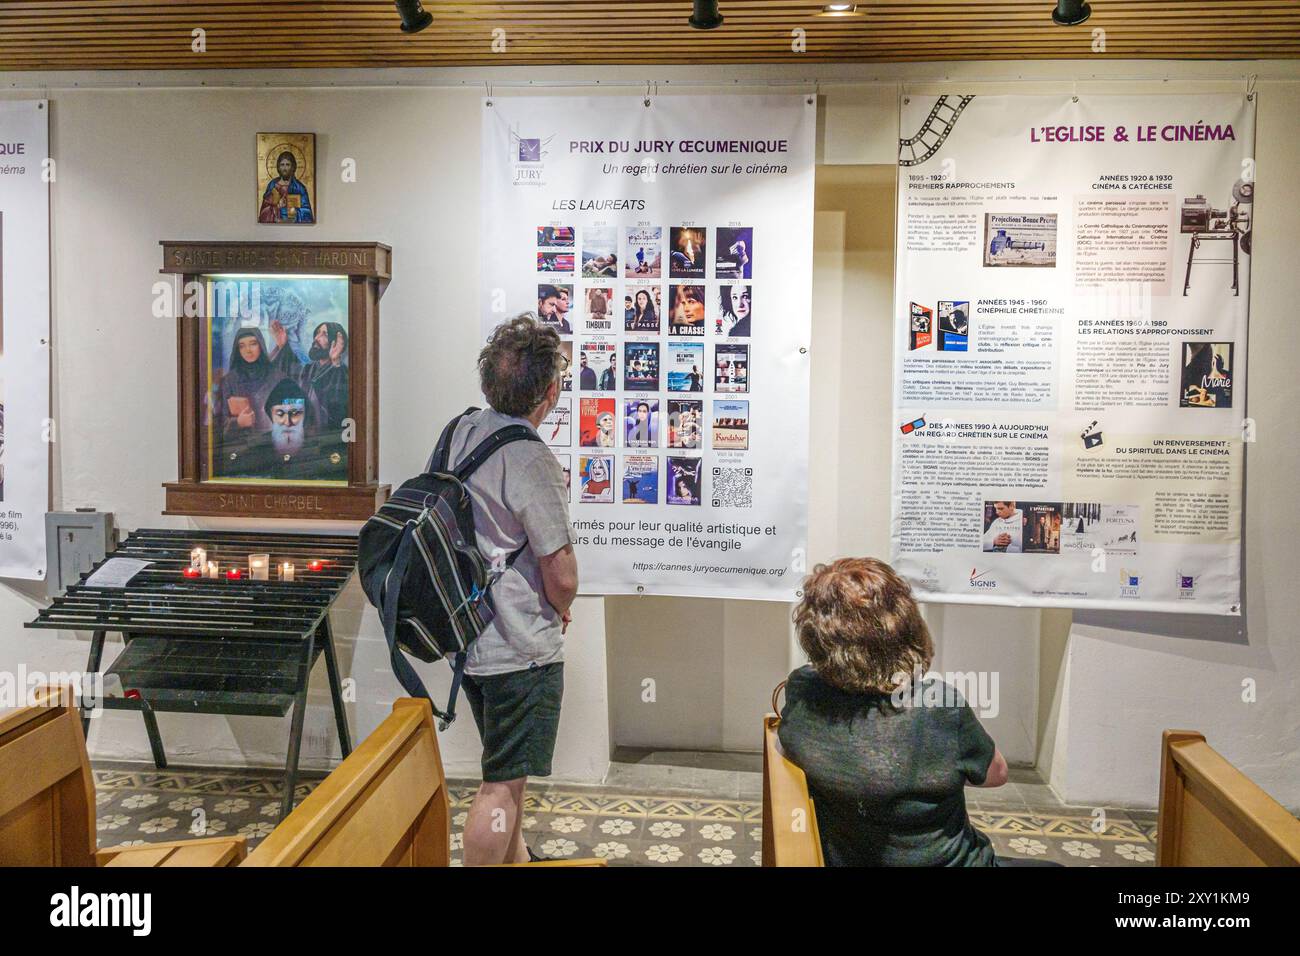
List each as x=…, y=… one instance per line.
x=1186, y=586
x=978, y=579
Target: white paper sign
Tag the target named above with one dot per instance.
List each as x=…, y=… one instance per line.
x=671, y=247
x=1070, y=354
x=116, y=572
x=25, y=426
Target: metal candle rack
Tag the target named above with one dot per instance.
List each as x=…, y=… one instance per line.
x=202, y=645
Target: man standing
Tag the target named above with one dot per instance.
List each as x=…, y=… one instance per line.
x=325, y=376
x=562, y=305
x=514, y=676
x=609, y=377
x=587, y=376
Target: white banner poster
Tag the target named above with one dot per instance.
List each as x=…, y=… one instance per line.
x=645, y=231
x=25, y=429
x=1070, y=349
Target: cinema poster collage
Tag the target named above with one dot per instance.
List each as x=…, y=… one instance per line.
x=652, y=386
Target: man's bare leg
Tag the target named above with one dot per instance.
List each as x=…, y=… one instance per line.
x=493, y=827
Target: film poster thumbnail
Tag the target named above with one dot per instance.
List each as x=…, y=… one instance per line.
x=566, y=382
x=685, y=363
x=684, y=477
x=920, y=326
x=566, y=467
x=1022, y=527
x=685, y=423
x=643, y=252
x=557, y=427
x=734, y=255
x=731, y=368
x=642, y=306
x=554, y=301
x=734, y=304
x=686, y=310
x=1020, y=239
x=1207, y=375
x=640, y=480
x=596, y=479
x=554, y=237
x=731, y=425
x=641, y=423
x=600, y=252
x=954, y=326
x=555, y=262
x=597, y=366
x=596, y=422
x=688, y=257
x=1088, y=525
x=599, y=304
x=641, y=366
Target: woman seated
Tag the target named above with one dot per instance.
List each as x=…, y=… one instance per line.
x=887, y=751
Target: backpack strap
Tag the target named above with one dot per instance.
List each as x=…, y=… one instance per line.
x=402, y=669
x=489, y=446
x=442, y=451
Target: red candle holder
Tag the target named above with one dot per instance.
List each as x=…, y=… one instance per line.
x=191, y=572
x=234, y=574
x=315, y=565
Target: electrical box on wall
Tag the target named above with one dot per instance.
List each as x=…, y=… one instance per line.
x=74, y=541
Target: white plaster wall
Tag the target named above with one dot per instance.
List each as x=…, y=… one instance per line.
x=167, y=159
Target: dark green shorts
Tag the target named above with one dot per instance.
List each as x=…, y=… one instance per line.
x=518, y=718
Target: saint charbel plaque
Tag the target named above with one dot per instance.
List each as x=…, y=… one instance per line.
x=278, y=378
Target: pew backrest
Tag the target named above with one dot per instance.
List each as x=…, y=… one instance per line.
x=47, y=798
x=790, y=836
x=385, y=805
x=1212, y=814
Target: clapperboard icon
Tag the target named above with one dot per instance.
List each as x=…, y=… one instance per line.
x=1091, y=439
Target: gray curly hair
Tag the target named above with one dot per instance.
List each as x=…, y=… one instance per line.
x=521, y=359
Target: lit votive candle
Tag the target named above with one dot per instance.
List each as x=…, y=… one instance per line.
x=191, y=572
x=259, y=566
x=286, y=571
x=198, y=559
x=234, y=574
x=315, y=564
x=213, y=569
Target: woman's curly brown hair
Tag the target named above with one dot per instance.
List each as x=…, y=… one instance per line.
x=860, y=626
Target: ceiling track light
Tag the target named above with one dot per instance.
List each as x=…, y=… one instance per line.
x=705, y=15
x=839, y=10
x=1070, y=13
x=414, y=17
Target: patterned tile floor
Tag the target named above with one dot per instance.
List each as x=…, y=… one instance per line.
x=141, y=804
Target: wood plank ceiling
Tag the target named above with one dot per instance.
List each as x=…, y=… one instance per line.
x=146, y=34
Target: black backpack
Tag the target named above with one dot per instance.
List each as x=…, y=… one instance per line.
x=420, y=564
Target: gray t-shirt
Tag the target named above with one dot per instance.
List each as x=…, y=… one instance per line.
x=519, y=496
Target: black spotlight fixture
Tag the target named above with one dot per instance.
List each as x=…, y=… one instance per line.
x=1070, y=13
x=706, y=15
x=414, y=17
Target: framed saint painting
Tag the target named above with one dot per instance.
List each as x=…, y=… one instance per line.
x=286, y=179
x=278, y=378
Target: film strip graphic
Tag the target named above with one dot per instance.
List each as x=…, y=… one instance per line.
x=935, y=129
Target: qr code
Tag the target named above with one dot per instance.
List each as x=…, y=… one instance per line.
x=733, y=487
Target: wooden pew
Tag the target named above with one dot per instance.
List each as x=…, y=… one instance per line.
x=1211, y=814
x=47, y=798
x=790, y=836
x=385, y=805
